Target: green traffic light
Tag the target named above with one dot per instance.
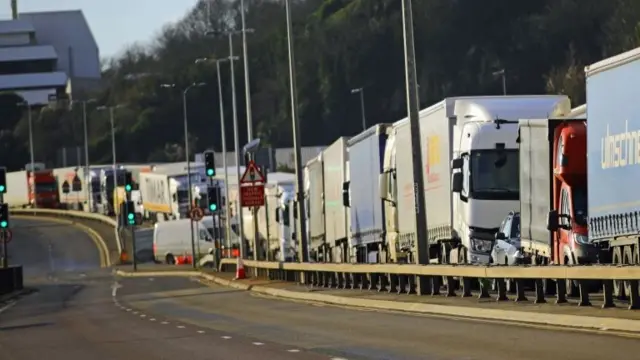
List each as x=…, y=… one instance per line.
x=210, y=172
x=130, y=216
x=3, y=224
x=127, y=187
x=2, y=187
x=213, y=207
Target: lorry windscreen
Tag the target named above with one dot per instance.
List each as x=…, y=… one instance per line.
x=495, y=173
x=580, y=205
x=46, y=187
x=183, y=196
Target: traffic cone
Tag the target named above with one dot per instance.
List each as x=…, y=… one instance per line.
x=240, y=270
x=124, y=257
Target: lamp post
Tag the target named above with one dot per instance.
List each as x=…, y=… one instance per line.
x=86, y=146
x=503, y=74
x=304, y=257
x=227, y=210
x=364, y=119
x=31, y=154
x=186, y=152
x=111, y=110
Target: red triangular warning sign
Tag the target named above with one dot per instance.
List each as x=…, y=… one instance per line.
x=251, y=174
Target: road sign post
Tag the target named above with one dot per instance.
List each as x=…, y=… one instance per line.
x=196, y=214
x=252, y=194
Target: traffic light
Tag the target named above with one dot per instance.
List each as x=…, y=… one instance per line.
x=130, y=213
x=128, y=181
x=210, y=163
x=4, y=216
x=213, y=198
x=3, y=180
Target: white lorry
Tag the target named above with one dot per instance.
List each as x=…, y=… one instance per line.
x=163, y=197
x=470, y=159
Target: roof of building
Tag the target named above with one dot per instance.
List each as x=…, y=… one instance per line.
x=15, y=27
x=34, y=80
x=27, y=53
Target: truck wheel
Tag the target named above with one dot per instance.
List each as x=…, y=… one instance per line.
x=618, y=287
x=170, y=260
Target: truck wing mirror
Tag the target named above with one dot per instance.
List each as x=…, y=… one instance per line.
x=456, y=187
x=457, y=163
x=383, y=185
x=345, y=194
x=277, y=216
x=553, y=220
x=500, y=236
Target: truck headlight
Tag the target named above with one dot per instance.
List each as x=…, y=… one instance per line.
x=482, y=246
x=581, y=239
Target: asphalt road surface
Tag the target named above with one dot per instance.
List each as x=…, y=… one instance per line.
x=341, y=333
x=73, y=315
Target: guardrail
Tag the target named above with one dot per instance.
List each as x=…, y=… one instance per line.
x=82, y=215
x=428, y=279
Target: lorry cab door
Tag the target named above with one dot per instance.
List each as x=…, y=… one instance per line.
x=563, y=236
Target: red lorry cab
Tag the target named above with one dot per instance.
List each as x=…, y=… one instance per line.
x=570, y=194
x=43, y=189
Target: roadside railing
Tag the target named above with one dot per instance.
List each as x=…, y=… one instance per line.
x=430, y=279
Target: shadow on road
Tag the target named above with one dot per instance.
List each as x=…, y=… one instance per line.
x=25, y=326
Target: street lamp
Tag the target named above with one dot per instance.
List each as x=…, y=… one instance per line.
x=86, y=145
x=111, y=110
x=186, y=152
x=304, y=257
x=33, y=169
x=361, y=92
x=227, y=210
x=503, y=74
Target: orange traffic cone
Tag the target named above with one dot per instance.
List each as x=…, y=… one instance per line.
x=240, y=270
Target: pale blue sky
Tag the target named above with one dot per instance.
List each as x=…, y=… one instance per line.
x=114, y=23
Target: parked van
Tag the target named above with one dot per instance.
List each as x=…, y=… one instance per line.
x=172, y=240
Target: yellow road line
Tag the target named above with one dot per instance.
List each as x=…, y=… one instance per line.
x=101, y=245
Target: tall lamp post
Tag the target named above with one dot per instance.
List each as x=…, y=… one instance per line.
x=86, y=146
x=227, y=210
x=503, y=74
x=186, y=153
x=364, y=118
x=31, y=153
x=111, y=110
x=304, y=256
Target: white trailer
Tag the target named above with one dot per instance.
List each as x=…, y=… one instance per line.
x=469, y=148
x=334, y=167
x=17, y=189
x=163, y=197
x=314, y=206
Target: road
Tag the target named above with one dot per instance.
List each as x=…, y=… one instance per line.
x=73, y=315
x=352, y=334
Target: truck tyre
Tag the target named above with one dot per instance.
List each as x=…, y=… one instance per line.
x=627, y=260
x=170, y=260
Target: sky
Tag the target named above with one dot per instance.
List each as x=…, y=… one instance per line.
x=114, y=23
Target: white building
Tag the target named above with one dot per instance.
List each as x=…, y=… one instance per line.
x=48, y=55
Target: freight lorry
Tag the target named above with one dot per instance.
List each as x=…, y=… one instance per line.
x=335, y=212
x=613, y=161
x=470, y=170
x=109, y=180
x=362, y=195
x=163, y=197
x=26, y=189
x=553, y=193
x=314, y=207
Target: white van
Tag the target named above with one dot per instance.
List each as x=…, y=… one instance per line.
x=172, y=239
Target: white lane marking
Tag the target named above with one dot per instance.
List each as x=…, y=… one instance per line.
x=152, y=319
x=293, y=350
x=143, y=316
x=226, y=337
x=128, y=310
x=200, y=332
x=180, y=327
x=8, y=306
x=258, y=343
x=135, y=313
x=338, y=358
x=165, y=323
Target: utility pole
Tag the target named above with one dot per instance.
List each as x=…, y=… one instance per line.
x=304, y=256
x=413, y=105
x=360, y=91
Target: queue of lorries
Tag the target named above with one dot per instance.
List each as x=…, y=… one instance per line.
x=507, y=179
